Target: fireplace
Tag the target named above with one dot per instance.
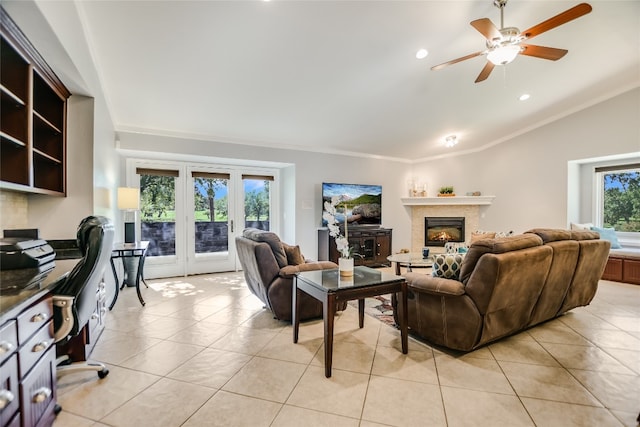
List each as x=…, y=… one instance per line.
x=439, y=230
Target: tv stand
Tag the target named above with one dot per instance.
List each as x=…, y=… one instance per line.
x=373, y=244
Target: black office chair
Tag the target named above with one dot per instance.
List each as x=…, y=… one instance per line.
x=78, y=294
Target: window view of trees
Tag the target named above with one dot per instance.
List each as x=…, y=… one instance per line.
x=157, y=198
x=621, y=208
x=256, y=203
x=211, y=199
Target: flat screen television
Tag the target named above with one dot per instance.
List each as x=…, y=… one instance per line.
x=363, y=203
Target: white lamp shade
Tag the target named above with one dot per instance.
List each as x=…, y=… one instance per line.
x=504, y=54
x=128, y=198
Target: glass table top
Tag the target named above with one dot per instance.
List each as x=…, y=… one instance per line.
x=330, y=280
x=414, y=259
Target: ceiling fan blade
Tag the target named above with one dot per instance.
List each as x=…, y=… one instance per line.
x=486, y=28
x=543, y=52
x=455, y=61
x=488, y=68
x=562, y=18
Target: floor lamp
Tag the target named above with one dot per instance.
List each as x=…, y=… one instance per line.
x=129, y=202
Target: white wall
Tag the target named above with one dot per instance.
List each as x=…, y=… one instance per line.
x=528, y=174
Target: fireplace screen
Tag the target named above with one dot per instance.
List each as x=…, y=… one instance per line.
x=440, y=230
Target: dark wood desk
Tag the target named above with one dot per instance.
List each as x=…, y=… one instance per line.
x=328, y=287
x=129, y=250
x=27, y=348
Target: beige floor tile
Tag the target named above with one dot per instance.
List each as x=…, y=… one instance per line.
x=611, y=338
x=546, y=382
x=403, y=403
x=629, y=358
x=67, y=419
x=581, y=357
x=264, y=319
x=342, y=394
x=195, y=312
x=202, y=333
x=158, y=405
x=232, y=316
x=211, y=368
x=626, y=323
x=583, y=319
x=472, y=373
x=228, y=409
x=281, y=347
x=416, y=365
x=162, y=358
x=390, y=337
x=163, y=327
x=128, y=321
x=348, y=356
x=555, y=331
x=95, y=398
x=118, y=347
x=557, y=414
x=522, y=352
x=266, y=379
x=615, y=391
x=469, y=408
x=244, y=340
x=291, y=416
x=628, y=419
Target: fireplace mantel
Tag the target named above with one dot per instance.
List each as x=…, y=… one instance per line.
x=447, y=201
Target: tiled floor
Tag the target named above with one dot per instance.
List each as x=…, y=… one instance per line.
x=204, y=352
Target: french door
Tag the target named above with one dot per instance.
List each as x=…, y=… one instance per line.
x=191, y=213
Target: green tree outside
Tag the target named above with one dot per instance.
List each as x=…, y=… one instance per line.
x=622, y=201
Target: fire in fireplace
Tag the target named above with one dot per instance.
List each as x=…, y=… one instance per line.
x=440, y=230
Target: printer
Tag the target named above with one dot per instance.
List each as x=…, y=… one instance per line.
x=24, y=252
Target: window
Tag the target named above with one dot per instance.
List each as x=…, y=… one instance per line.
x=619, y=197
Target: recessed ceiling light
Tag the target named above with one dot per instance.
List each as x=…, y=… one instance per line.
x=450, y=141
x=422, y=53
x=524, y=97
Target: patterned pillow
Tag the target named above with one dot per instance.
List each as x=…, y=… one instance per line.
x=447, y=266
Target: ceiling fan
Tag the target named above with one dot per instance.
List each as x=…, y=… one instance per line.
x=504, y=44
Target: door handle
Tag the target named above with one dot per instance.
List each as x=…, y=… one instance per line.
x=231, y=223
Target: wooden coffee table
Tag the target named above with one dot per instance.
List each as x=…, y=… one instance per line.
x=329, y=288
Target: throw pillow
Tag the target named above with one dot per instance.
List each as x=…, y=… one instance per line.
x=294, y=255
x=481, y=235
x=581, y=227
x=608, y=234
x=447, y=266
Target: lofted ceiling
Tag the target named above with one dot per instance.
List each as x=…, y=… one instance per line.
x=342, y=76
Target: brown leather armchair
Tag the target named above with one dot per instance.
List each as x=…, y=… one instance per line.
x=269, y=266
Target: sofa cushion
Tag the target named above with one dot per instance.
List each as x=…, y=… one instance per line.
x=581, y=227
x=294, y=255
x=608, y=234
x=480, y=235
x=272, y=240
x=495, y=246
x=447, y=266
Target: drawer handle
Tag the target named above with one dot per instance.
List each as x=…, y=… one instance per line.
x=41, y=395
x=6, y=347
x=41, y=346
x=40, y=317
x=6, y=397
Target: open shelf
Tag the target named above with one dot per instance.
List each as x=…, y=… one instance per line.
x=33, y=117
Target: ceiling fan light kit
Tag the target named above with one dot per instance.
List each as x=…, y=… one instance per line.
x=506, y=43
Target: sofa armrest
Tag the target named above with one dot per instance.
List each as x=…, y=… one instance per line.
x=291, y=270
x=434, y=285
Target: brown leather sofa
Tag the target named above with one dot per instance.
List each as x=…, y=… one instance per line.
x=269, y=266
x=506, y=285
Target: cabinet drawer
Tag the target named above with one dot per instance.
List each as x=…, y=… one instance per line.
x=37, y=391
x=9, y=390
x=35, y=348
x=8, y=340
x=33, y=318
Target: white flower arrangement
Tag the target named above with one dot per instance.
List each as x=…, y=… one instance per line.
x=329, y=215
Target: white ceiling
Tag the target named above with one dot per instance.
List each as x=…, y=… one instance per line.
x=341, y=76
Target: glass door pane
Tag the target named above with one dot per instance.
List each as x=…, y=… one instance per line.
x=209, y=229
x=257, y=201
x=158, y=213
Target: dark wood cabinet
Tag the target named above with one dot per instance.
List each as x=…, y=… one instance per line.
x=373, y=246
x=28, y=373
x=32, y=118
